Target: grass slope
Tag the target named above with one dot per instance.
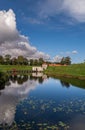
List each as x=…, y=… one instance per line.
x=75, y=70
x=5, y=68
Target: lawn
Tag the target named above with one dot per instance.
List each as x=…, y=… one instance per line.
x=74, y=70
x=5, y=68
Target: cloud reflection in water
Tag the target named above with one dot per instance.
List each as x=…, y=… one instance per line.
x=11, y=96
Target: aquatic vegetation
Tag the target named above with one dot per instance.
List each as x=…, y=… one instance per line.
x=62, y=124
x=36, y=107
x=54, y=110
x=35, y=111
x=43, y=113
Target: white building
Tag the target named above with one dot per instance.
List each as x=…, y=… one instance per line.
x=37, y=69
x=44, y=66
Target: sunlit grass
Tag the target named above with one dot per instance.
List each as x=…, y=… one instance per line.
x=71, y=70
x=5, y=68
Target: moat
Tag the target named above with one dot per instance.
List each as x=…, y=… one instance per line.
x=38, y=102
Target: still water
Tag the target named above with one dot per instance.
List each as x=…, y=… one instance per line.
x=42, y=103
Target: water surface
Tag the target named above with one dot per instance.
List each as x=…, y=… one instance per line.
x=41, y=103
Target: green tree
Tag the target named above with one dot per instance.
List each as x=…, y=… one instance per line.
x=14, y=61
x=1, y=59
x=67, y=60
x=31, y=62
x=25, y=61
x=41, y=61
x=20, y=60
x=7, y=59
x=36, y=62
x=62, y=61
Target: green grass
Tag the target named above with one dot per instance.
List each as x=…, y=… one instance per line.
x=5, y=68
x=75, y=70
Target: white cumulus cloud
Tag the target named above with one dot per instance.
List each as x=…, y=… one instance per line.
x=57, y=58
x=74, y=9
x=49, y=8
x=74, y=52
x=12, y=42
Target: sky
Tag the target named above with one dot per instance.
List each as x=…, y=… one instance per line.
x=49, y=29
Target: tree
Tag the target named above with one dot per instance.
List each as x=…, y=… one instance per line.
x=66, y=60
x=7, y=59
x=20, y=60
x=35, y=62
x=31, y=62
x=25, y=61
x=62, y=61
x=1, y=59
x=41, y=61
x=14, y=61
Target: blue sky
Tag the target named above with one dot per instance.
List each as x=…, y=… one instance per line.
x=55, y=27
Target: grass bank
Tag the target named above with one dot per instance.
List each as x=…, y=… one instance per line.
x=71, y=71
x=5, y=68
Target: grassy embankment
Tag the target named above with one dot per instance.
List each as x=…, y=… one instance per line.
x=5, y=68
x=71, y=71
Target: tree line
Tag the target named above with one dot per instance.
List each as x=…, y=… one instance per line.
x=64, y=61
x=20, y=60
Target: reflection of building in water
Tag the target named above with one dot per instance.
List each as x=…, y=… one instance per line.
x=39, y=75
x=11, y=96
x=44, y=76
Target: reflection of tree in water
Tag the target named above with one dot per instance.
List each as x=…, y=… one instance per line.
x=3, y=80
x=19, y=78
x=39, y=79
x=16, y=89
x=66, y=84
x=33, y=78
x=72, y=81
x=2, y=85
